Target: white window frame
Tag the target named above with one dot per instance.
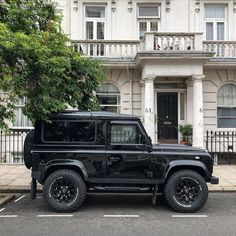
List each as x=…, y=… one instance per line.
x=21, y=105
x=94, y=20
x=218, y=106
x=216, y=20
x=148, y=19
x=118, y=97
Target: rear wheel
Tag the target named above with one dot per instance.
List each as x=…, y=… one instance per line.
x=186, y=191
x=64, y=191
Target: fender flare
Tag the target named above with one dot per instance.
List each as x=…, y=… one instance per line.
x=64, y=163
x=187, y=163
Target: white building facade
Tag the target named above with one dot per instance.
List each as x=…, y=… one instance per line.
x=170, y=62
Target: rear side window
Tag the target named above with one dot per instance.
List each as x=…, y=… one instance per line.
x=64, y=131
x=56, y=131
x=81, y=131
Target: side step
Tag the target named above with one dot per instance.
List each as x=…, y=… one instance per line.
x=120, y=189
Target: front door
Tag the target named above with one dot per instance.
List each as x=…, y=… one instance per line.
x=127, y=157
x=167, y=112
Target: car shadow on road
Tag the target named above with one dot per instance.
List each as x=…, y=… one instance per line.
x=132, y=202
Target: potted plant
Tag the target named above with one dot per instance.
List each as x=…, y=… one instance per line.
x=186, y=132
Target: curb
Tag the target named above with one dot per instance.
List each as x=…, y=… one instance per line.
x=6, y=199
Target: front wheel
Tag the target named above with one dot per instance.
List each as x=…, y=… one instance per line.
x=186, y=191
x=64, y=190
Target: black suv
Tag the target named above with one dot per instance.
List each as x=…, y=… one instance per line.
x=79, y=152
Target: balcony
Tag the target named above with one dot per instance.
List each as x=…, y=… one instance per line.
x=221, y=48
x=155, y=42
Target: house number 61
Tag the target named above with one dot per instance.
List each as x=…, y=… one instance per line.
x=148, y=110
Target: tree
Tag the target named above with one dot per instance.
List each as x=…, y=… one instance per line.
x=38, y=63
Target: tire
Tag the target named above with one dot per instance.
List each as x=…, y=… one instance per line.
x=28, y=146
x=64, y=191
x=186, y=191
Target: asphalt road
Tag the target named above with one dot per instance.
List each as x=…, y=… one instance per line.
x=119, y=215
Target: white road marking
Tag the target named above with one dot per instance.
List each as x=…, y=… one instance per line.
x=120, y=216
x=39, y=197
x=54, y=216
x=18, y=199
x=2, y=209
x=189, y=216
x=8, y=216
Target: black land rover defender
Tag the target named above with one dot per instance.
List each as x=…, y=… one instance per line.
x=78, y=152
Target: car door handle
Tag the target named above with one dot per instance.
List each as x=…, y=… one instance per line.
x=112, y=158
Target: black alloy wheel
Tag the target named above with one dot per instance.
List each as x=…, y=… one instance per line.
x=186, y=191
x=64, y=190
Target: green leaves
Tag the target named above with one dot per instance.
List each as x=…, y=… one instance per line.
x=37, y=64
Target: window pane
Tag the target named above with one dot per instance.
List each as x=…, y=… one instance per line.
x=227, y=96
x=142, y=29
x=108, y=100
x=209, y=31
x=100, y=30
x=153, y=26
x=95, y=12
x=220, y=31
x=148, y=11
x=125, y=134
x=114, y=109
x=56, y=131
x=81, y=131
x=226, y=106
x=89, y=30
x=214, y=11
x=108, y=88
x=227, y=123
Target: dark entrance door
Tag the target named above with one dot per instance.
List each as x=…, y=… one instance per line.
x=167, y=112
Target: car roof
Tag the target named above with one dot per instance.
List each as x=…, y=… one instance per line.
x=74, y=114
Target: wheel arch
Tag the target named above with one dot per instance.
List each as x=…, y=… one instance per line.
x=55, y=165
x=196, y=166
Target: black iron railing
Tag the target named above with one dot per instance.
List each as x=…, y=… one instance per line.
x=220, y=142
x=12, y=145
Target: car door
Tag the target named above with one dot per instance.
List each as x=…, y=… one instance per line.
x=128, y=159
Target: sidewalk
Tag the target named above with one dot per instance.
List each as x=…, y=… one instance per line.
x=16, y=178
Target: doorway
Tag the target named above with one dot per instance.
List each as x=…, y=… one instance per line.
x=167, y=113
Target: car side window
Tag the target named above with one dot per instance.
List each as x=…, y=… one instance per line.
x=69, y=131
x=55, y=131
x=126, y=134
x=81, y=131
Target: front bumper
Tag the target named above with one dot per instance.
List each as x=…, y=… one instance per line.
x=214, y=180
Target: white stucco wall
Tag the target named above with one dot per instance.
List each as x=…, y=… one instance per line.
x=128, y=82
x=215, y=78
x=122, y=23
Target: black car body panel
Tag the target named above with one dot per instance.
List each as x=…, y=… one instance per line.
x=113, y=156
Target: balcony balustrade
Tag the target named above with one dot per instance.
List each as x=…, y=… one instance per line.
x=107, y=48
x=220, y=48
x=154, y=42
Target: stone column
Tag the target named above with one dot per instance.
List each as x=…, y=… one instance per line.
x=189, y=84
x=198, y=131
x=149, y=115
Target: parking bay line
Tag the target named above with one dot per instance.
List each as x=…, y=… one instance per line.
x=2, y=209
x=189, y=216
x=42, y=216
x=18, y=199
x=8, y=216
x=121, y=216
